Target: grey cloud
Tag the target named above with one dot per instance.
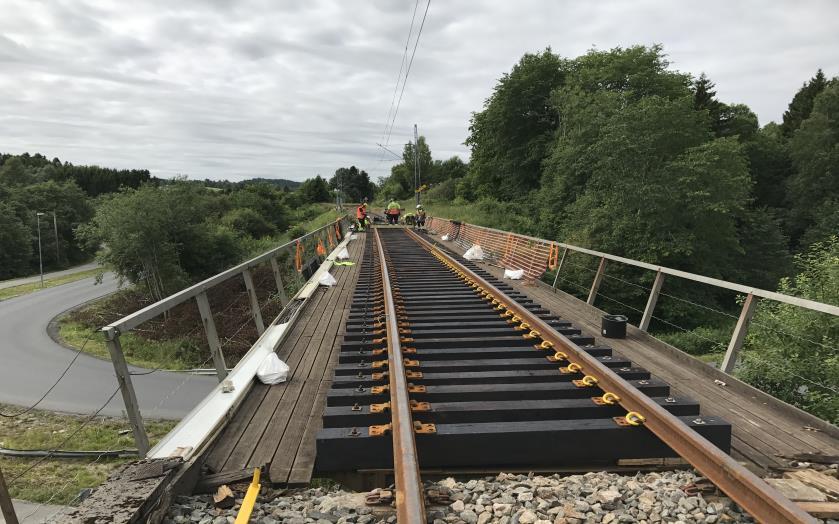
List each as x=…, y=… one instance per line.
x=297, y=88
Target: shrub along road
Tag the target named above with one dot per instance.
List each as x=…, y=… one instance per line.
x=32, y=361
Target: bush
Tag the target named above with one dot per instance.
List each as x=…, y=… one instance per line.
x=699, y=341
x=246, y=221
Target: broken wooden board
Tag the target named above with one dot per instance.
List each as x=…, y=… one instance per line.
x=796, y=490
x=824, y=483
x=822, y=510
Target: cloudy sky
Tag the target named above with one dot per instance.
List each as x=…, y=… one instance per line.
x=293, y=88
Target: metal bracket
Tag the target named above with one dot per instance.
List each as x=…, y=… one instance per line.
x=378, y=390
x=413, y=374
x=622, y=422
x=379, y=364
x=420, y=406
x=408, y=363
x=410, y=351
x=382, y=340
x=406, y=340
x=416, y=389
x=378, y=431
x=379, y=376
x=379, y=408
x=424, y=429
x=582, y=384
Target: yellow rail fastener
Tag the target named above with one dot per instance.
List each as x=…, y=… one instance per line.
x=634, y=418
x=610, y=398
x=244, y=514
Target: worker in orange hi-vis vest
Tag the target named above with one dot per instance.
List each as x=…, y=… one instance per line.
x=361, y=216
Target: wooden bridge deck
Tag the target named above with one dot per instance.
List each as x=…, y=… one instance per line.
x=764, y=429
x=277, y=424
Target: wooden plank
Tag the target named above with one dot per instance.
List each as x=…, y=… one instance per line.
x=796, y=490
x=824, y=483
x=822, y=510
x=304, y=460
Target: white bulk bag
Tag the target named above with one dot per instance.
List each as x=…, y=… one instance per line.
x=343, y=254
x=444, y=237
x=326, y=279
x=513, y=274
x=272, y=370
x=474, y=253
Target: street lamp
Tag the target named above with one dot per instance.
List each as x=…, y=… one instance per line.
x=55, y=226
x=40, y=255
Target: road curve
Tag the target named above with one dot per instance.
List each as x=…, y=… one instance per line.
x=32, y=361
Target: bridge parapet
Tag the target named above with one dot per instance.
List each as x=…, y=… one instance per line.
x=312, y=242
x=536, y=255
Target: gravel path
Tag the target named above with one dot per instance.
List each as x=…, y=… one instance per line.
x=506, y=499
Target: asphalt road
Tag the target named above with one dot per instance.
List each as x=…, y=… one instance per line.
x=32, y=361
x=37, y=278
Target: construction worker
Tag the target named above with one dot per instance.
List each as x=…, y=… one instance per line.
x=361, y=216
x=419, y=223
x=393, y=211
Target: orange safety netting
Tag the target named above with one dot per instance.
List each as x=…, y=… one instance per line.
x=506, y=249
x=298, y=256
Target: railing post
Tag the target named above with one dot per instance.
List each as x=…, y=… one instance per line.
x=212, y=335
x=648, y=311
x=595, y=285
x=559, y=267
x=739, y=335
x=275, y=267
x=129, y=396
x=6, y=504
x=256, y=313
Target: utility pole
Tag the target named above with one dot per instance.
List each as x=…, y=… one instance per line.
x=55, y=225
x=416, y=165
x=40, y=254
x=6, y=502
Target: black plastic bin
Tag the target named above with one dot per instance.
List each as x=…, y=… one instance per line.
x=613, y=326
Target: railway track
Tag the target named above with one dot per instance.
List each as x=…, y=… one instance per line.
x=444, y=366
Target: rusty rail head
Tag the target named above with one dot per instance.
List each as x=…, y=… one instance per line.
x=761, y=500
x=410, y=506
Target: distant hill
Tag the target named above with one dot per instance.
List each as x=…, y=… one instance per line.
x=281, y=182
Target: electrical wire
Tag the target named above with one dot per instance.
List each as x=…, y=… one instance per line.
x=407, y=72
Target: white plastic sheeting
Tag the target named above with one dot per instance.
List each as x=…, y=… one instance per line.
x=326, y=279
x=342, y=254
x=193, y=429
x=272, y=370
x=474, y=253
x=513, y=274
x=444, y=237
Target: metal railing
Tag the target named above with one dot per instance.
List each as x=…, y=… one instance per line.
x=199, y=292
x=536, y=255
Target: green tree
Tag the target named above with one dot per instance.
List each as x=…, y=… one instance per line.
x=355, y=184
x=13, y=172
x=15, y=243
x=510, y=136
x=802, y=103
x=813, y=190
x=162, y=237
x=247, y=221
x=315, y=190
x=791, y=352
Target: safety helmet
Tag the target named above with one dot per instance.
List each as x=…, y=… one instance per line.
x=419, y=206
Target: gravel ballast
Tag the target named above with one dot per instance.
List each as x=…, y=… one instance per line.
x=506, y=499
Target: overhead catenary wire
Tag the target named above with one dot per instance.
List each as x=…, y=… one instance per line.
x=407, y=72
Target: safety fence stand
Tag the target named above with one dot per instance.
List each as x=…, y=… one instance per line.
x=598, y=278
x=559, y=267
x=6, y=502
x=739, y=335
x=651, y=302
x=212, y=335
x=126, y=387
x=256, y=313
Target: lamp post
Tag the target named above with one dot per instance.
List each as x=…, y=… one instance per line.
x=55, y=227
x=40, y=254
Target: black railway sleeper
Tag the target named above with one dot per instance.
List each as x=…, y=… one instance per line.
x=518, y=376
x=456, y=353
x=503, y=444
x=362, y=395
x=495, y=411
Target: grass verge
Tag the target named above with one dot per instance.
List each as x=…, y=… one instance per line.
x=25, y=289
x=59, y=481
x=139, y=351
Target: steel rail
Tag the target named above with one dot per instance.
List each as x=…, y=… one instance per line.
x=410, y=506
x=761, y=500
